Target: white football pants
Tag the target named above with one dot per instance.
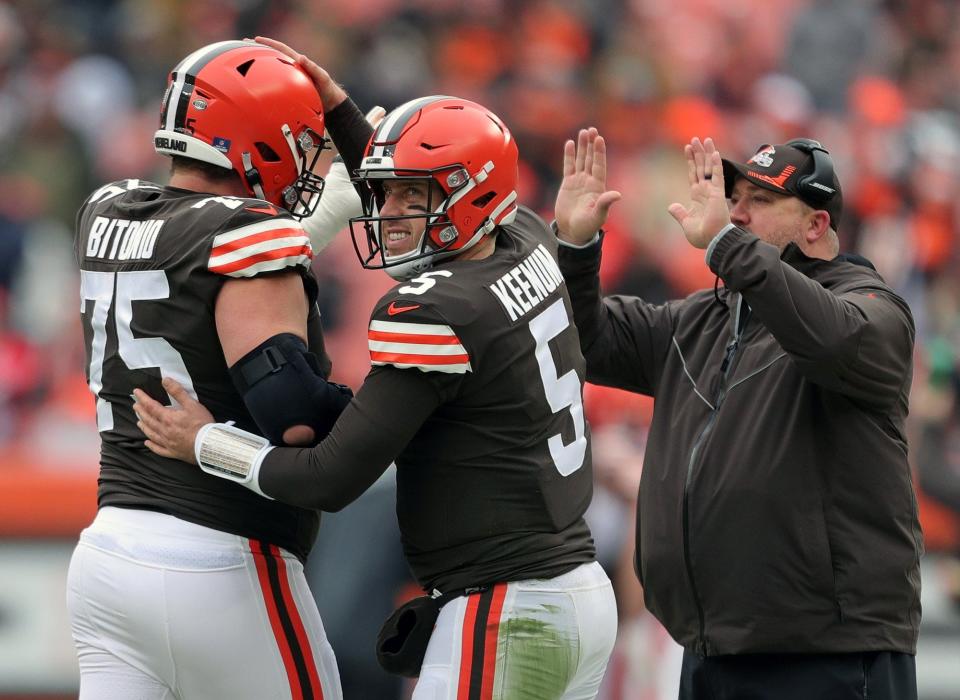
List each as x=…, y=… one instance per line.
x=163, y=609
x=526, y=640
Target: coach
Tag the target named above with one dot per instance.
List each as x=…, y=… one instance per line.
x=777, y=531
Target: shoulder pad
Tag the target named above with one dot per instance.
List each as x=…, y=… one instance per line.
x=118, y=187
x=532, y=226
x=259, y=238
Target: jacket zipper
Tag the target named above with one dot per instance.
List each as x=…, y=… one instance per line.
x=728, y=355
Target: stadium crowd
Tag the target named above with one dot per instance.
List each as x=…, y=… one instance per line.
x=877, y=81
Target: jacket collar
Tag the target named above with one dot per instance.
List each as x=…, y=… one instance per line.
x=829, y=271
x=793, y=256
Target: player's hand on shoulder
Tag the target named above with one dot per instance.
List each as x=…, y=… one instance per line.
x=583, y=200
x=171, y=431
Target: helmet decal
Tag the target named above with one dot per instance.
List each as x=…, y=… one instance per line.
x=174, y=112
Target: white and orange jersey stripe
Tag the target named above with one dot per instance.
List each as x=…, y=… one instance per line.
x=430, y=347
x=261, y=247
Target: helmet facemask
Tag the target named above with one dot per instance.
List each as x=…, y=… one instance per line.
x=469, y=155
x=439, y=237
x=302, y=196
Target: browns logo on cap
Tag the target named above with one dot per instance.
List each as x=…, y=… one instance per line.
x=791, y=169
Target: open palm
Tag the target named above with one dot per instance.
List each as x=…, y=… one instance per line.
x=583, y=200
x=707, y=212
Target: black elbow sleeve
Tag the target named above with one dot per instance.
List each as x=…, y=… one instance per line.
x=282, y=385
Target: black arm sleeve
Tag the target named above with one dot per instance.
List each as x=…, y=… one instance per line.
x=350, y=132
x=624, y=340
x=283, y=384
x=386, y=413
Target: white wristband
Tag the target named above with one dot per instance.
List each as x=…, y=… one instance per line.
x=231, y=453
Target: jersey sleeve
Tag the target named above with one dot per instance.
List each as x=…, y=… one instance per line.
x=386, y=413
x=256, y=240
x=411, y=333
x=429, y=347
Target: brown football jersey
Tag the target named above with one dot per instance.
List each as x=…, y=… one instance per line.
x=495, y=483
x=152, y=261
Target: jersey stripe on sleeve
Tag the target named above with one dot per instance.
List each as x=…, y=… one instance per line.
x=261, y=247
x=429, y=347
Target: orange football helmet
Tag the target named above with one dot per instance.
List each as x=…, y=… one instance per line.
x=248, y=108
x=466, y=150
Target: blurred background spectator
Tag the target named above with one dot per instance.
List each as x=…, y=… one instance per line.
x=877, y=81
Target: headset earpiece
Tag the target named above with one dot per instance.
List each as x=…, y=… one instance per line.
x=817, y=186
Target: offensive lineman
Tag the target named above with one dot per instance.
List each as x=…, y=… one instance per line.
x=187, y=586
x=475, y=392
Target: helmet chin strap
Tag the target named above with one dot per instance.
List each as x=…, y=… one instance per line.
x=252, y=175
x=409, y=269
x=292, y=144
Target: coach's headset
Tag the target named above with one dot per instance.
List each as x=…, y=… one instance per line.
x=817, y=187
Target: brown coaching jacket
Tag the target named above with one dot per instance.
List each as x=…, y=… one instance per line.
x=777, y=512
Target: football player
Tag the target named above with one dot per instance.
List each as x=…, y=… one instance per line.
x=475, y=391
x=187, y=585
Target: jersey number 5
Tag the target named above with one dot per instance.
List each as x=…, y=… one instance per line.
x=136, y=353
x=561, y=392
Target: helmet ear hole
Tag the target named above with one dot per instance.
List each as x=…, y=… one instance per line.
x=266, y=152
x=483, y=200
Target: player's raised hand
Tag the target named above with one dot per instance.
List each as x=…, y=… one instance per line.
x=583, y=200
x=171, y=431
x=331, y=94
x=707, y=212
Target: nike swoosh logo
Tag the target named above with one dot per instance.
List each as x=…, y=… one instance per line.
x=269, y=209
x=393, y=309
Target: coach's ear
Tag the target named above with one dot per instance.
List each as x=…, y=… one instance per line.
x=816, y=225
